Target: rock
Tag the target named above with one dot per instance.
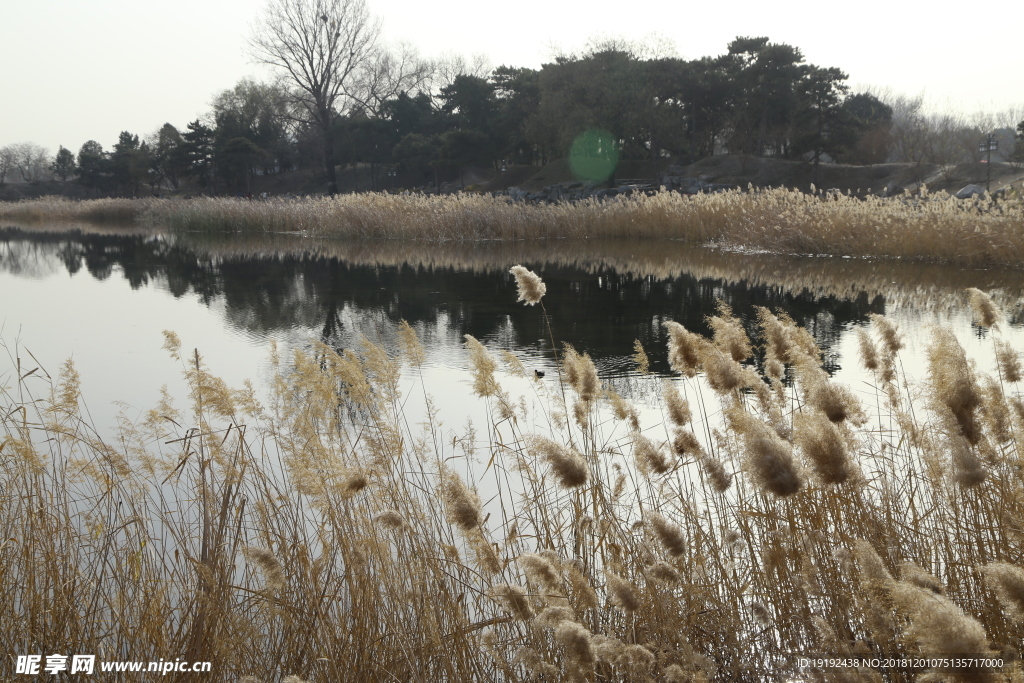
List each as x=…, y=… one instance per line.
x=970, y=191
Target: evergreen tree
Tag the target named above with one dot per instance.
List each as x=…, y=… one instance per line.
x=63, y=165
x=196, y=154
x=94, y=167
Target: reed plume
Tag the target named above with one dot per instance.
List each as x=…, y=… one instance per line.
x=664, y=572
x=939, y=627
x=716, y=473
x=677, y=407
x=835, y=401
x=1008, y=360
x=411, y=344
x=584, y=595
x=986, y=313
x=723, y=373
x=684, y=349
x=569, y=466
x=392, y=519
x=670, y=535
x=953, y=383
x=636, y=660
x=649, y=458
x=873, y=572
x=530, y=287
x=581, y=373
x=551, y=617
x=643, y=363
x=823, y=444
x=606, y=649
x=514, y=600
x=576, y=641
x=728, y=333
x=892, y=343
x=273, y=570
x=967, y=468
x=1007, y=581
x=686, y=443
x=542, y=573
x=869, y=357
x=462, y=506
x=911, y=572
x=483, y=366
x=622, y=593
x=769, y=457
x=623, y=410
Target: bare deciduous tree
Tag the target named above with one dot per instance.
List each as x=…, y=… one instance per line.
x=451, y=65
x=909, y=129
x=7, y=156
x=322, y=45
x=31, y=160
x=388, y=74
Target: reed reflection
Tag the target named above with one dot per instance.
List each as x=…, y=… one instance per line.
x=603, y=301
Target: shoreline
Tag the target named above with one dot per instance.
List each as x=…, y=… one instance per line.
x=928, y=228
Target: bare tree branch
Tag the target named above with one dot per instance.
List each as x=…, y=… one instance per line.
x=390, y=73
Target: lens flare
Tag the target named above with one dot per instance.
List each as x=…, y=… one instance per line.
x=594, y=155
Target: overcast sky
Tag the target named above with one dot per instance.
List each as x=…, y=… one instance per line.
x=77, y=70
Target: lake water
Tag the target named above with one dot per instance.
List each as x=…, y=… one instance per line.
x=104, y=296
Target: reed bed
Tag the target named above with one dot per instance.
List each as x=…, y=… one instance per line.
x=937, y=228
x=926, y=227
x=329, y=535
x=55, y=208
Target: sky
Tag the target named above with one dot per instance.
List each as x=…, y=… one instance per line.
x=76, y=70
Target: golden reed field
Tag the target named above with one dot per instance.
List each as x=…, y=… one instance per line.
x=977, y=232
x=327, y=534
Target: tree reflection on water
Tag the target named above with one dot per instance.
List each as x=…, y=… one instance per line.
x=599, y=305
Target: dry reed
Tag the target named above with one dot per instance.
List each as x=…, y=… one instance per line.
x=321, y=537
x=933, y=227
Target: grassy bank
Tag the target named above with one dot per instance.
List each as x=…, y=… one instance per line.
x=331, y=535
x=932, y=228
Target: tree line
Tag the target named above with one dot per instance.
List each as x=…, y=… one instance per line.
x=344, y=100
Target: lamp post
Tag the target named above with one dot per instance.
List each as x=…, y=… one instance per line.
x=987, y=146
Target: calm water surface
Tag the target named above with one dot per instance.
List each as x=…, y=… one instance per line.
x=103, y=298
